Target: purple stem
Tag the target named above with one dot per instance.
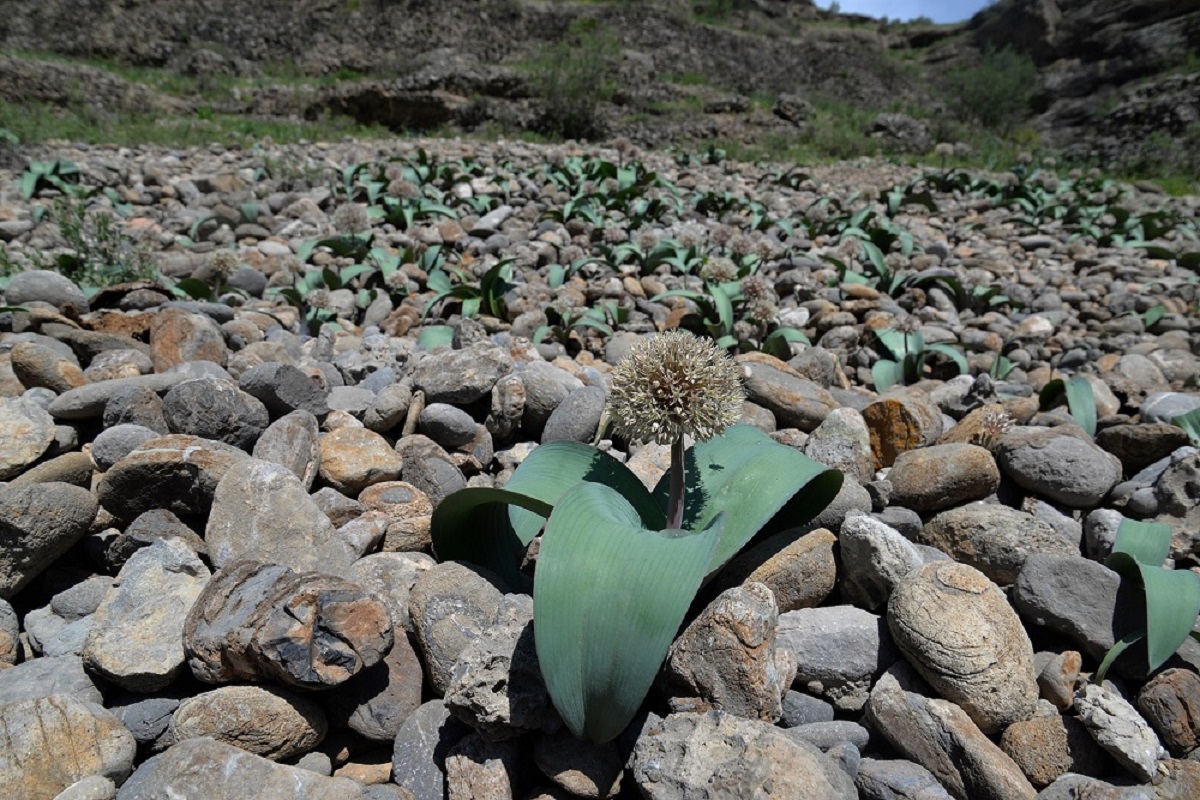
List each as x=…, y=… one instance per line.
x=675, y=500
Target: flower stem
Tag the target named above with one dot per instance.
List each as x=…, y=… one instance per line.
x=675, y=500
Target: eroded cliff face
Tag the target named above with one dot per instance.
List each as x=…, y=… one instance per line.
x=1110, y=69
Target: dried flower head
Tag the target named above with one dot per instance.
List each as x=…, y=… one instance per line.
x=719, y=269
x=647, y=239
x=615, y=235
x=761, y=310
x=722, y=234
x=351, y=218
x=691, y=234
x=223, y=264
x=943, y=149
x=402, y=189
x=993, y=424
x=756, y=287
x=674, y=384
x=741, y=245
x=318, y=298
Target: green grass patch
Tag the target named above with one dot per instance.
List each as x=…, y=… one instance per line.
x=35, y=123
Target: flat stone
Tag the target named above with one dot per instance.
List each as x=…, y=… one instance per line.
x=1117, y=727
x=74, y=468
x=46, y=676
x=874, y=558
x=179, y=473
x=715, y=754
x=37, y=365
x=839, y=651
x=49, y=743
x=843, y=442
x=214, y=770
x=897, y=779
x=29, y=432
x=795, y=401
x=994, y=539
x=38, y=523
x=1139, y=446
x=293, y=441
x=88, y=402
x=261, y=512
x=32, y=285
x=800, y=572
x=136, y=639
x=956, y=627
x=462, y=376
x=1071, y=596
x=264, y=720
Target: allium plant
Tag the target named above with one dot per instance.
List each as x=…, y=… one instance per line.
x=618, y=565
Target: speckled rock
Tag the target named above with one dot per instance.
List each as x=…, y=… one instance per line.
x=1170, y=702
x=1049, y=745
x=450, y=606
x=843, y=442
x=943, y=476
x=37, y=365
x=956, y=627
x=800, y=572
x=1062, y=468
x=354, y=458
x=294, y=441
x=38, y=523
x=264, y=720
x=795, y=401
x=994, y=539
x=1117, y=727
x=874, y=558
x=900, y=423
x=29, y=432
x=839, y=651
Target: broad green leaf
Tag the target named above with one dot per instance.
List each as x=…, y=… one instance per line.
x=1172, y=596
x=609, y=596
x=724, y=307
x=545, y=474
x=1190, y=422
x=1082, y=403
x=952, y=353
x=434, y=336
x=887, y=374
x=761, y=485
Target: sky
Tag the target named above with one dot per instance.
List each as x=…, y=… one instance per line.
x=937, y=10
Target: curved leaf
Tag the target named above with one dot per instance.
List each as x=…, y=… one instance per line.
x=887, y=374
x=1082, y=403
x=761, y=485
x=473, y=524
x=1172, y=596
x=608, y=598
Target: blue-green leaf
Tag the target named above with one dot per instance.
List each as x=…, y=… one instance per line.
x=762, y=486
x=609, y=595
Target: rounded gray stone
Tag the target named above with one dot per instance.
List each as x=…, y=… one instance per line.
x=113, y=444
x=449, y=426
x=48, y=287
x=1058, y=466
x=28, y=434
x=577, y=417
x=215, y=409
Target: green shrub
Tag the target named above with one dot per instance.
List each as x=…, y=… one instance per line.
x=574, y=76
x=995, y=92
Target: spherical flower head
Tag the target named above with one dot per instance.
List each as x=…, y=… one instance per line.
x=223, y=264
x=719, y=269
x=674, y=384
x=351, y=218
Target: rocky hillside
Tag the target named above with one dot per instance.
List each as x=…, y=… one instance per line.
x=1113, y=75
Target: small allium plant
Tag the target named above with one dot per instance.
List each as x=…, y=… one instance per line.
x=619, y=566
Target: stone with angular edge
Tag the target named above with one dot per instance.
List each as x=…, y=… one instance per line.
x=725, y=659
x=874, y=558
x=28, y=434
x=136, y=639
x=940, y=736
x=264, y=621
x=377, y=701
x=293, y=440
x=689, y=755
x=422, y=745
x=839, y=650
x=49, y=743
x=898, y=423
x=1117, y=727
x=213, y=770
x=261, y=512
x=1170, y=702
x=800, y=572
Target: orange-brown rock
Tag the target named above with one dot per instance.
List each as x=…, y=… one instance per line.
x=177, y=336
x=901, y=422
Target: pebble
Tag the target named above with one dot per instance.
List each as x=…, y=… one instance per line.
x=338, y=447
